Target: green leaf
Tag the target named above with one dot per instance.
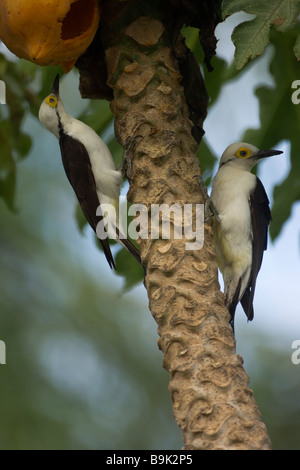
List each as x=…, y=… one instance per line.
x=15, y=144
x=251, y=37
x=207, y=160
x=191, y=36
x=129, y=268
x=23, y=144
x=297, y=47
x=285, y=195
x=280, y=120
x=7, y=164
x=98, y=116
x=47, y=75
x=215, y=80
x=80, y=218
x=7, y=189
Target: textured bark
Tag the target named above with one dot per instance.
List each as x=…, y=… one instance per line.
x=212, y=403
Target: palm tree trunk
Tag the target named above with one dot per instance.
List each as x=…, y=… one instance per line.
x=212, y=403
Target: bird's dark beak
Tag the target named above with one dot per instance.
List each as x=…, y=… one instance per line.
x=267, y=153
x=55, y=86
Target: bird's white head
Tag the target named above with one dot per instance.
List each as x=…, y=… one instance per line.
x=244, y=156
x=52, y=110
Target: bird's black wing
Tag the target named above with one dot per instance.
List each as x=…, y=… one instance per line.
x=78, y=169
x=260, y=219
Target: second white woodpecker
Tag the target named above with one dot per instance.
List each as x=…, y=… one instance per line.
x=241, y=223
x=90, y=169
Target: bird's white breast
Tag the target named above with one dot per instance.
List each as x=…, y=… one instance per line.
x=230, y=195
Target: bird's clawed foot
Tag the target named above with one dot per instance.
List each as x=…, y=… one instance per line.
x=211, y=211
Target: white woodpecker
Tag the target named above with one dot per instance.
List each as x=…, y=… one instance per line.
x=242, y=217
x=90, y=169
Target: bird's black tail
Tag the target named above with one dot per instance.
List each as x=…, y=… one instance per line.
x=107, y=252
x=247, y=303
x=128, y=245
x=232, y=306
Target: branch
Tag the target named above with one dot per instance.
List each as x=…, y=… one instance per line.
x=212, y=403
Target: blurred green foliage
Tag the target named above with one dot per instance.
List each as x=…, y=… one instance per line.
x=83, y=370
x=280, y=120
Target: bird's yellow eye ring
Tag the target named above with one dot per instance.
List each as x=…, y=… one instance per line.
x=243, y=152
x=51, y=100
